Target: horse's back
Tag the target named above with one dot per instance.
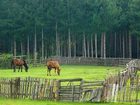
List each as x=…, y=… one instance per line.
x=17, y=61
x=53, y=64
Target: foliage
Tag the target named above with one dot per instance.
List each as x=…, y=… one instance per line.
x=18, y=20
x=5, y=60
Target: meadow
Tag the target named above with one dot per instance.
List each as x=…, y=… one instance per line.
x=36, y=102
x=87, y=72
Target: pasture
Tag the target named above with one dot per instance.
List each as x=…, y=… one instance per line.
x=35, y=102
x=87, y=72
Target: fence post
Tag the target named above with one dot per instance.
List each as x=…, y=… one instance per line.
x=81, y=90
x=57, y=90
x=17, y=87
x=137, y=88
x=73, y=88
x=11, y=88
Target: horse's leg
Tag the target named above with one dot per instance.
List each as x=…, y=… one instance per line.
x=18, y=68
x=48, y=71
x=21, y=68
x=55, y=70
x=14, y=67
x=58, y=71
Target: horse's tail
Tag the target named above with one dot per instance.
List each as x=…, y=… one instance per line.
x=25, y=65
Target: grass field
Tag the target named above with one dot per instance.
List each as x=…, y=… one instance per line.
x=67, y=71
x=35, y=102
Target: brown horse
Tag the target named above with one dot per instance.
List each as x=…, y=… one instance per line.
x=19, y=62
x=52, y=64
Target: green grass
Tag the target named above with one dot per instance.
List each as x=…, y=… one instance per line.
x=67, y=71
x=35, y=102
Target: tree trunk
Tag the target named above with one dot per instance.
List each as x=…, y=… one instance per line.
x=96, y=48
x=102, y=46
x=88, y=49
x=52, y=50
x=21, y=48
x=65, y=50
x=130, y=46
x=57, y=41
x=65, y=47
x=28, y=49
x=69, y=43
x=120, y=45
x=84, y=45
x=104, y=39
x=126, y=44
x=42, y=58
x=61, y=47
x=46, y=49
x=138, y=45
x=12, y=48
x=115, y=45
x=92, y=46
x=111, y=47
x=75, y=48
x=35, y=47
x=15, y=49
x=123, y=46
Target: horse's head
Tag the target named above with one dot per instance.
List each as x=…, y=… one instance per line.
x=26, y=66
x=58, y=71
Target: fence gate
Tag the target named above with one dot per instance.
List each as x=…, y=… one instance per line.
x=91, y=91
x=70, y=89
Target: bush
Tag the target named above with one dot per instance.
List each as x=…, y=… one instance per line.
x=5, y=61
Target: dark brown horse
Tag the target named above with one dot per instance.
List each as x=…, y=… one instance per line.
x=19, y=62
x=52, y=64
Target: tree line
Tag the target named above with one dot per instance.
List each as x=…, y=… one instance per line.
x=70, y=28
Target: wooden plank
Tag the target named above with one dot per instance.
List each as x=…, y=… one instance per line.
x=93, y=81
x=137, y=88
x=71, y=80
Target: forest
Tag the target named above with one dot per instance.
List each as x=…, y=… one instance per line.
x=39, y=29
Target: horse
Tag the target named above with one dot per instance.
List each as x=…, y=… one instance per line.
x=53, y=64
x=19, y=62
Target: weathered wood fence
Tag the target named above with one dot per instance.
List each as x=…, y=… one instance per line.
x=92, y=61
x=36, y=88
x=32, y=88
x=124, y=87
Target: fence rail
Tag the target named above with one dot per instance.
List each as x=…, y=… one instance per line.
x=36, y=88
x=92, y=61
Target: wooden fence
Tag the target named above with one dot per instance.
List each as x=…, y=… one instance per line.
x=124, y=87
x=64, y=89
x=92, y=61
x=32, y=88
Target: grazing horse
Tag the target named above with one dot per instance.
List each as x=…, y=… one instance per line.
x=19, y=62
x=52, y=64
